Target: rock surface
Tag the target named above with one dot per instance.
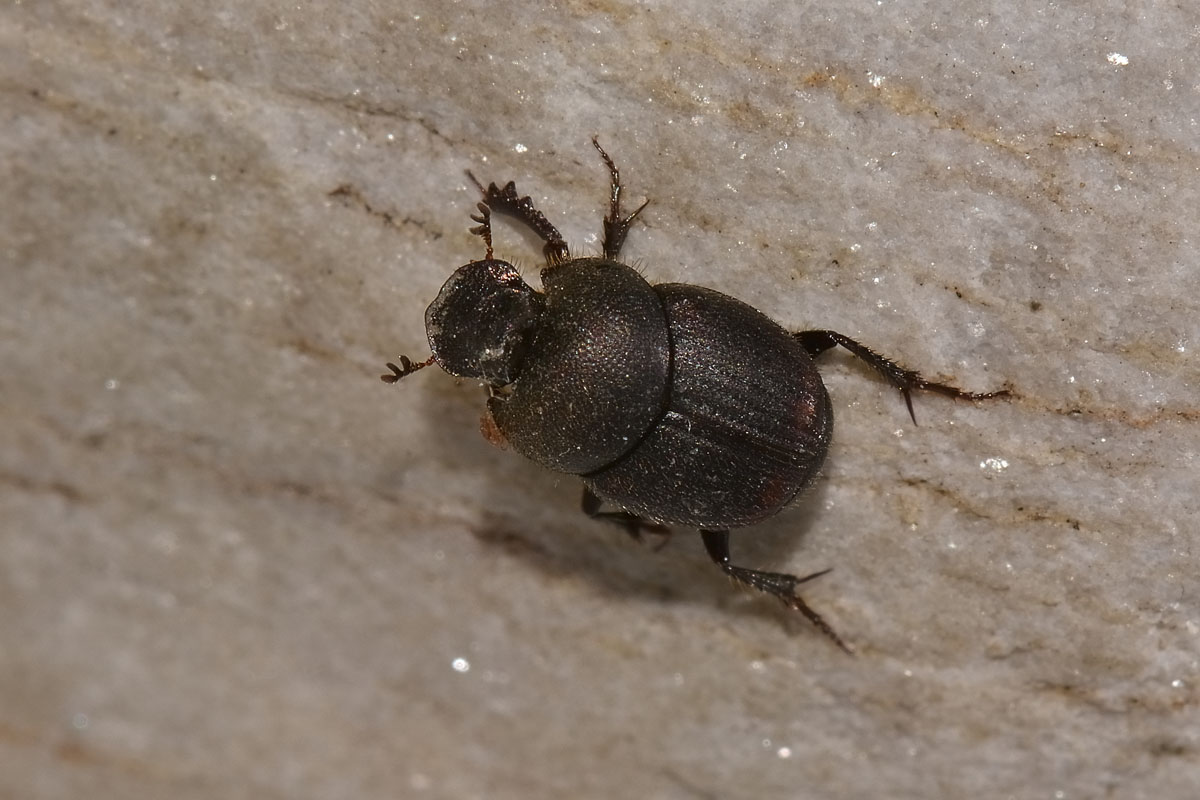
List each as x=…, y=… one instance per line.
x=235, y=564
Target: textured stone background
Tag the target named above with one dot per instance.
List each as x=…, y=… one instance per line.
x=236, y=565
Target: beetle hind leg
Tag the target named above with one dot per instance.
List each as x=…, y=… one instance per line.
x=906, y=380
x=779, y=584
x=632, y=523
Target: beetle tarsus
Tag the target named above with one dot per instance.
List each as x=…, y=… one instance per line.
x=906, y=380
x=779, y=584
x=632, y=523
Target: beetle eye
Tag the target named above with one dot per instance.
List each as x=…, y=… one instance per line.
x=481, y=322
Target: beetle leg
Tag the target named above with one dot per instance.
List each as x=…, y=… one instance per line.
x=616, y=227
x=777, y=583
x=632, y=523
x=817, y=342
x=506, y=201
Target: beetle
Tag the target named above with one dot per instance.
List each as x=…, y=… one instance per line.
x=674, y=403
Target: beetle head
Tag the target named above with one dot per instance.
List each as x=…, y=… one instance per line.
x=482, y=321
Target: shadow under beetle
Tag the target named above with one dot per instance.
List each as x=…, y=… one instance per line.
x=674, y=403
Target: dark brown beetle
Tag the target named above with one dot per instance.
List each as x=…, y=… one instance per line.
x=675, y=403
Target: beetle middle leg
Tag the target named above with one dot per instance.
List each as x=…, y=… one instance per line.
x=817, y=342
x=632, y=523
x=506, y=201
x=779, y=584
x=616, y=227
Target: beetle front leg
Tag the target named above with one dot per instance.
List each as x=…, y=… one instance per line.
x=632, y=523
x=779, y=584
x=506, y=201
x=817, y=342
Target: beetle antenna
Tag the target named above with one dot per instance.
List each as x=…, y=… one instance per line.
x=406, y=368
x=484, y=228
